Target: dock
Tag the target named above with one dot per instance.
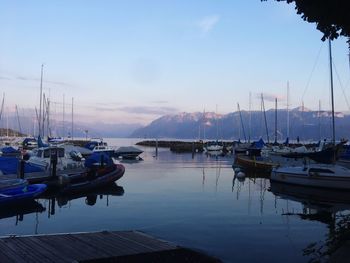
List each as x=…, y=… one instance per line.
x=97, y=247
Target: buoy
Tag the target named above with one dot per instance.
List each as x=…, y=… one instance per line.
x=237, y=170
x=240, y=174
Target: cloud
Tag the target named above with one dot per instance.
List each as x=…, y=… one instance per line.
x=207, y=23
x=159, y=101
x=59, y=83
x=271, y=97
x=149, y=110
x=6, y=78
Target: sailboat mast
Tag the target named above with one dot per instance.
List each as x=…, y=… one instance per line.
x=287, y=109
x=240, y=116
x=319, y=119
x=250, y=116
x=263, y=107
x=41, y=92
x=332, y=96
x=72, y=118
x=275, y=120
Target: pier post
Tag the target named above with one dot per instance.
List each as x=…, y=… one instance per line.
x=156, y=147
x=20, y=171
x=53, y=159
x=192, y=150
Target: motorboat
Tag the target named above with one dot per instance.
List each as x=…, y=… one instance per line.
x=21, y=194
x=41, y=157
x=214, y=146
x=128, y=152
x=314, y=175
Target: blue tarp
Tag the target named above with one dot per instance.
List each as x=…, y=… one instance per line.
x=9, y=165
x=91, y=145
x=259, y=144
x=96, y=158
x=9, y=150
x=41, y=143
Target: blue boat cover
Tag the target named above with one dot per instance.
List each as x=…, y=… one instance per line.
x=41, y=143
x=259, y=144
x=96, y=158
x=91, y=145
x=9, y=165
x=9, y=150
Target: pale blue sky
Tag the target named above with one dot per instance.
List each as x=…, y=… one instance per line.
x=132, y=61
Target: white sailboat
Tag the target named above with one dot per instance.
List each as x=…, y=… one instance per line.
x=316, y=175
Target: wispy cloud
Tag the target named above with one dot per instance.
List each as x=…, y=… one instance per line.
x=59, y=83
x=149, y=110
x=271, y=97
x=159, y=101
x=6, y=78
x=206, y=24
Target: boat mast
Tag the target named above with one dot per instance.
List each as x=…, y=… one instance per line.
x=332, y=96
x=319, y=119
x=240, y=116
x=287, y=109
x=41, y=92
x=72, y=118
x=263, y=108
x=275, y=120
x=63, y=127
x=250, y=116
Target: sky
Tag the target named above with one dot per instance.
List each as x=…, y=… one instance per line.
x=136, y=60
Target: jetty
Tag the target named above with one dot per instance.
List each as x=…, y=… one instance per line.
x=97, y=247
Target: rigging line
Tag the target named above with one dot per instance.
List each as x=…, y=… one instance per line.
x=341, y=86
x=312, y=71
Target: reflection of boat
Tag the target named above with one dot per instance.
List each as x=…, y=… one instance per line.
x=21, y=194
x=20, y=210
x=320, y=198
x=129, y=152
x=12, y=184
x=315, y=175
x=91, y=195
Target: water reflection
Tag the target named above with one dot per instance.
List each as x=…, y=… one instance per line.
x=330, y=207
x=90, y=196
x=19, y=210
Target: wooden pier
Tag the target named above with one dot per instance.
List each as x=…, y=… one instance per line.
x=98, y=247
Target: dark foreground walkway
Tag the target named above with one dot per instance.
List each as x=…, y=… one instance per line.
x=99, y=247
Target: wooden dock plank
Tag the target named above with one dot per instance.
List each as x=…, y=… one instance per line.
x=145, y=241
x=48, y=251
x=81, y=247
x=107, y=246
x=10, y=249
x=120, y=244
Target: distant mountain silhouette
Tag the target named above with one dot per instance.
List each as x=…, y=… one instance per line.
x=305, y=123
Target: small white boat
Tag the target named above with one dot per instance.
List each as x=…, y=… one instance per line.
x=41, y=157
x=103, y=147
x=129, y=152
x=314, y=175
x=214, y=146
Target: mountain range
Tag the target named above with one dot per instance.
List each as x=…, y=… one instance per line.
x=303, y=123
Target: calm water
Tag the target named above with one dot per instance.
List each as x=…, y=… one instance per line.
x=195, y=203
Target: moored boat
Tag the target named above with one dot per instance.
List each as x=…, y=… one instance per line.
x=21, y=194
x=255, y=163
x=314, y=175
x=128, y=152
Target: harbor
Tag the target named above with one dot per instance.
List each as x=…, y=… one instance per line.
x=196, y=202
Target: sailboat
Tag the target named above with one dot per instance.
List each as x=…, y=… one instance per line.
x=317, y=175
x=215, y=147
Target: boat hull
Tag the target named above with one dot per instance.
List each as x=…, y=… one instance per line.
x=304, y=179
